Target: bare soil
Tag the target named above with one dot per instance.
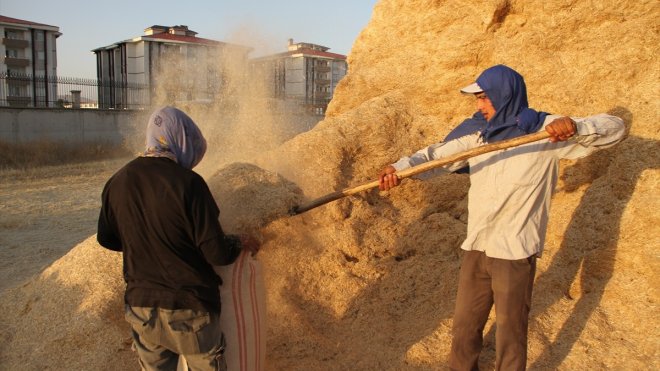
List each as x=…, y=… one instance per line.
x=45, y=212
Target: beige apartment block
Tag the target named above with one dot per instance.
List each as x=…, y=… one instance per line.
x=306, y=73
x=171, y=63
x=28, y=68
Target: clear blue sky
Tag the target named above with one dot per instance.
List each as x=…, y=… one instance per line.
x=265, y=25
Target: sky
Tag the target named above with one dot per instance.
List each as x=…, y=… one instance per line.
x=265, y=25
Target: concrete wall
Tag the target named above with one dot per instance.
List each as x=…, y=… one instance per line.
x=75, y=126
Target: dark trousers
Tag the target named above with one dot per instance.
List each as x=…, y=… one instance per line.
x=482, y=282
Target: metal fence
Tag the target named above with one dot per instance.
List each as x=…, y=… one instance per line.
x=25, y=90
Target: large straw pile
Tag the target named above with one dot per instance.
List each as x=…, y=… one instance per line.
x=368, y=282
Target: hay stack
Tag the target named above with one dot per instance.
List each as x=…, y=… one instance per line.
x=69, y=317
x=251, y=197
x=375, y=281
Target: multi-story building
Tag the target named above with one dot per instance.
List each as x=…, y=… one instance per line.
x=29, y=66
x=168, y=63
x=306, y=73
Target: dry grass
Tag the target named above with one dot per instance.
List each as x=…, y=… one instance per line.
x=46, y=153
x=45, y=211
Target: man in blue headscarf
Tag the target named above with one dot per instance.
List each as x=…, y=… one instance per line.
x=509, y=204
x=162, y=216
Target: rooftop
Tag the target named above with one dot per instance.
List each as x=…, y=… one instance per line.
x=304, y=49
x=173, y=34
x=303, y=52
x=24, y=23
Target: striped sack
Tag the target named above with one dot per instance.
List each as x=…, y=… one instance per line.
x=243, y=316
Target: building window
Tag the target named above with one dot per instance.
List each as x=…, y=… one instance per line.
x=11, y=53
x=14, y=91
x=11, y=34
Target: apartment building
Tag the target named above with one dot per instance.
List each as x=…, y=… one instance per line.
x=29, y=63
x=306, y=73
x=170, y=62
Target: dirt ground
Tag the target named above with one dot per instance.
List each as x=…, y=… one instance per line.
x=369, y=292
x=45, y=212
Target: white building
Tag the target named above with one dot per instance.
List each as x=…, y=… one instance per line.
x=170, y=61
x=307, y=73
x=29, y=63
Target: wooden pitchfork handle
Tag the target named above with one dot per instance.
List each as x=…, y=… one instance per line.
x=407, y=173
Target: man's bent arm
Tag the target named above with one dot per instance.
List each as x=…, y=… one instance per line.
x=440, y=150
x=593, y=133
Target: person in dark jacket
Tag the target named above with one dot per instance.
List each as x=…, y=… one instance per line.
x=162, y=216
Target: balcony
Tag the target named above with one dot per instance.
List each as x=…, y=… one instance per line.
x=18, y=80
x=322, y=82
x=15, y=43
x=18, y=101
x=17, y=62
x=322, y=68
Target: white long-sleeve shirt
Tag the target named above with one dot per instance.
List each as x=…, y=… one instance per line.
x=511, y=189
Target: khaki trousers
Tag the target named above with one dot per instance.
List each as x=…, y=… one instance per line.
x=485, y=281
x=161, y=335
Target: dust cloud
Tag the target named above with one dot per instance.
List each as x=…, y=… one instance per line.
x=241, y=122
x=239, y=119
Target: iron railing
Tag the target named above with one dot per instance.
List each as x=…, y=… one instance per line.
x=25, y=90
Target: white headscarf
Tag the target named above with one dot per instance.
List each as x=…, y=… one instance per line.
x=172, y=134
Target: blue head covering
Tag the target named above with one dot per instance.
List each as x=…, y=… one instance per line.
x=172, y=134
x=507, y=92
